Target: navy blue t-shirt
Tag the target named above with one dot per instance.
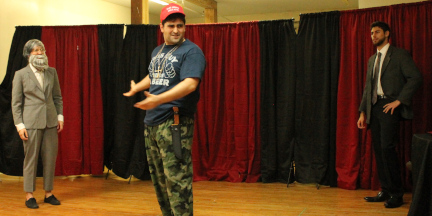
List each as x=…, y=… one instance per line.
x=186, y=62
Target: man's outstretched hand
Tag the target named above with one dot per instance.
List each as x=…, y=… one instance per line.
x=131, y=92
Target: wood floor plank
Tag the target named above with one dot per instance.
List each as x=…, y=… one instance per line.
x=94, y=195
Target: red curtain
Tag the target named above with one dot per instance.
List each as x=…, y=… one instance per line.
x=73, y=51
x=412, y=31
x=227, y=139
x=410, y=25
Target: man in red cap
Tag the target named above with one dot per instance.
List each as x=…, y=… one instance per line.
x=175, y=72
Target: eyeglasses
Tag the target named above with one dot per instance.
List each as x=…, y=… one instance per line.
x=38, y=50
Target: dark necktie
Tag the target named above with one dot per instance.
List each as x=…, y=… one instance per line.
x=375, y=79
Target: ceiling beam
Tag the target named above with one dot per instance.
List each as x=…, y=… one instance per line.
x=139, y=12
x=210, y=9
x=210, y=15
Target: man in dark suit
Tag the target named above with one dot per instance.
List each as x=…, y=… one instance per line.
x=37, y=108
x=391, y=81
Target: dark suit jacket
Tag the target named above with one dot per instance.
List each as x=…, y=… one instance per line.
x=35, y=108
x=400, y=78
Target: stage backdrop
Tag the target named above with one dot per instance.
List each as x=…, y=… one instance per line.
x=278, y=95
x=263, y=88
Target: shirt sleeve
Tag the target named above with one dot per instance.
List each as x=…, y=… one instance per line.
x=60, y=117
x=20, y=126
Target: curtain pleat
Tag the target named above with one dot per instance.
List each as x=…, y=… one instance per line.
x=110, y=49
x=128, y=156
x=278, y=50
x=405, y=20
x=11, y=145
x=355, y=162
x=315, y=115
x=227, y=139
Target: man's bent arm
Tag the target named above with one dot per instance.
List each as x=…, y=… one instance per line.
x=182, y=89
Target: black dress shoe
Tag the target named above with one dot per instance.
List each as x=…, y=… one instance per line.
x=52, y=200
x=381, y=197
x=394, y=202
x=31, y=203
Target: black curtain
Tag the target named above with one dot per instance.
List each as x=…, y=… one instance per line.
x=317, y=81
x=127, y=156
x=110, y=48
x=278, y=50
x=11, y=146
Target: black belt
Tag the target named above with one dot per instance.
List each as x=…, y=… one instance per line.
x=381, y=96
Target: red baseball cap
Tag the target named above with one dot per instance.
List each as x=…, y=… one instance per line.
x=170, y=9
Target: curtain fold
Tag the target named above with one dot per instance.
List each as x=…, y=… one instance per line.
x=11, y=145
x=355, y=162
x=227, y=138
x=73, y=51
x=128, y=156
x=317, y=79
x=277, y=102
x=110, y=49
x=412, y=31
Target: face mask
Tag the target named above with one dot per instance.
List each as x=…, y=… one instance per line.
x=40, y=62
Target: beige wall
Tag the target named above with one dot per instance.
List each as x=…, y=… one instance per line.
x=155, y=19
x=375, y=3
x=53, y=12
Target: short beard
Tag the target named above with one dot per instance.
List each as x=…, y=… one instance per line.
x=379, y=42
x=40, y=62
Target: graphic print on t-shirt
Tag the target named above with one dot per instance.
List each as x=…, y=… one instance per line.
x=161, y=69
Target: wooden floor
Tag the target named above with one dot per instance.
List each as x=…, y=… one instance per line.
x=90, y=195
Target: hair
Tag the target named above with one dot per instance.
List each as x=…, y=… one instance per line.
x=30, y=45
x=174, y=16
x=384, y=26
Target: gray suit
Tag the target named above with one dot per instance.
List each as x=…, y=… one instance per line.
x=38, y=108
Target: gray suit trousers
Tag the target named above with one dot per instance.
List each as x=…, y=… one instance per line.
x=45, y=142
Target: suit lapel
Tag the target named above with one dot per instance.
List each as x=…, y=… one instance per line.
x=33, y=77
x=386, y=60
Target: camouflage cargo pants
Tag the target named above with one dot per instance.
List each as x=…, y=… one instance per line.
x=172, y=178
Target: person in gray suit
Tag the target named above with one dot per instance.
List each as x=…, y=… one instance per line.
x=37, y=108
x=391, y=81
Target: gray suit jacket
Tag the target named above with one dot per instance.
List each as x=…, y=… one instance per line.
x=35, y=108
x=400, y=78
